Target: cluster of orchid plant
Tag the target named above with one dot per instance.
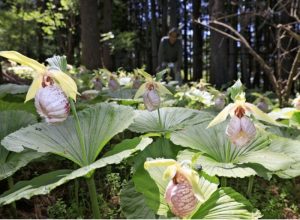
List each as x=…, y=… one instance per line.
x=240, y=129
x=50, y=88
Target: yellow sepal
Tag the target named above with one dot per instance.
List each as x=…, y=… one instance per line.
x=260, y=115
x=159, y=162
x=34, y=87
x=222, y=115
x=66, y=83
x=19, y=58
x=140, y=91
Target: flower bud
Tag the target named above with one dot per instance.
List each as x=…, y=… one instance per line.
x=52, y=104
x=113, y=84
x=151, y=100
x=240, y=131
x=136, y=83
x=296, y=103
x=97, y=84
x=262, y=105
x=220, y=102
x=180, y=196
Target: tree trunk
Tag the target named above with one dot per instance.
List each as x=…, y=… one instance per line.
x=185, y=41
x=219, y=47
x=174, y=15
x=164, y=17
x=244, y=52
x=232, y=59
x=90, y=55
x=197, y=43
x=153, y=36
x=107, y=26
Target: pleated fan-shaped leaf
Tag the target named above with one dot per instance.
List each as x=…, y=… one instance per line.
x=218, y=156
x=45, y=183
x=172, y=119
x=10, y=162
x=225, y=203
x=98, y=124
x=133, y=204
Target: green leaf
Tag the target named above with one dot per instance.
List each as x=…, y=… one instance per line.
x=28, y=106
x=43, y=184
x=59, y=62
x=10, y=162
x=236, y=89
x=12, y=89
x=99, y=124
x=172, y=119
x=219, y=157
x=226, y=203
x=161, y=148
x=127, y=144
x=292, y=149
x=133, y=204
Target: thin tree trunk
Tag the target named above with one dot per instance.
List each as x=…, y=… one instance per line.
x=232, y=59
x=90, y=56
x=107, y=26
x=185, y=42
x=174, y=15
x=153, y=36
x=164, y=17
x=197, y=43
x=219, y=47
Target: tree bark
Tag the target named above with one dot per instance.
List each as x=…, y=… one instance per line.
x=197, y=43
x=90, y=51
x=107, y=26
x=185, y=42
x=164, y=17
x=232, y=59
x=153, y=36
x=219, y=47
x=173, y=13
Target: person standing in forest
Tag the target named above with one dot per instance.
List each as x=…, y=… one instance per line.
x=170, y=54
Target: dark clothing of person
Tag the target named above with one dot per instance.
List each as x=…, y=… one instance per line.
x=168, y=53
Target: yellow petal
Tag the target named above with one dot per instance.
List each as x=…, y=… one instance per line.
x=159, y=162
x=34, y=87
x=66, y=83
x=19, y=58
x=162, y=90
x=260, y=115
x=170, y=172
x=222, y=115
x=144, y=74
x=140, y=91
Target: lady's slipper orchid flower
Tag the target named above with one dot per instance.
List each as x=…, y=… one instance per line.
x=52, y=104
x=151, y=97
x=43, y=76
x=182, y=194
x=113, y=83
x=151, y=92
x=240, y=108
x=240, y=130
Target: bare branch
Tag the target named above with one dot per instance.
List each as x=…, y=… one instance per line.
x=217, y=30
x=267, y=69
x=292, y=33
x=293, y=75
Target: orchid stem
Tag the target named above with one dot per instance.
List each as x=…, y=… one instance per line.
x=250, y=186
x=93, y=196
x=10, y=181
x=223, y=181
x=159, y=118
x=79, y=131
